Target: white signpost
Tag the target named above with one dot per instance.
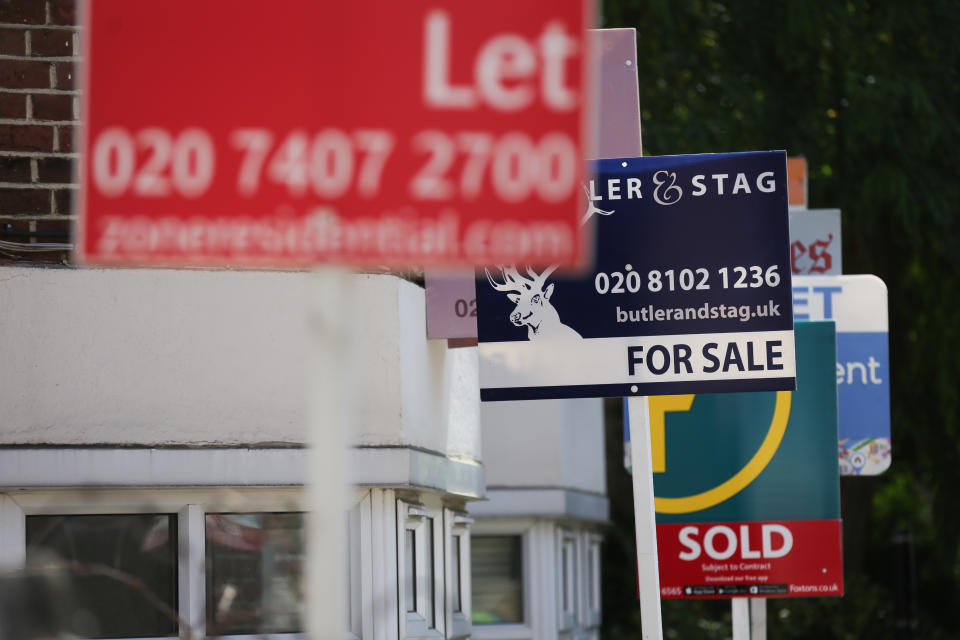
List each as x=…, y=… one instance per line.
x=645, y=520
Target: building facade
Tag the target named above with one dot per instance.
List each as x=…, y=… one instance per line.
x=154, y=425
x=537, y=537
x=154, y=431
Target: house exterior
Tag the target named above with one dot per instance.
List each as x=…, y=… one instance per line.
x=536, y=539
x=154, y=425
x=154, y=421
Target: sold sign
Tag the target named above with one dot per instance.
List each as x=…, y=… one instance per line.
x=747, y=489
x=746, y=485
x=435, y=133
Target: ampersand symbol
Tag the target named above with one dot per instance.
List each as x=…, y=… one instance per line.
x=671, y=193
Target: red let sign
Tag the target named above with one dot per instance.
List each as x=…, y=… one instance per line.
x=439, y=133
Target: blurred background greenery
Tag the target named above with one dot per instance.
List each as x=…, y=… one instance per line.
x=869, y=93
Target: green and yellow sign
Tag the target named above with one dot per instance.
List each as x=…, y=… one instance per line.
x=747, y=485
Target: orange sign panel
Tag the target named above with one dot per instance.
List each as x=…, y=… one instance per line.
x=797, y=182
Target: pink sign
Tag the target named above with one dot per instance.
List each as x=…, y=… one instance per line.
x=451, y=296
x=451, y=304
x=617, y=124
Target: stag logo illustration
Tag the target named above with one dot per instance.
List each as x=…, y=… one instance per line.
x=534, y=308
x=592, y=208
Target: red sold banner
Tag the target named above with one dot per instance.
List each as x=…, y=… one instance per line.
x=724, y=559
x=438, y=133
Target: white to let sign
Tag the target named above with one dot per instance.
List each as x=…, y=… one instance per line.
x=815, y=242
x=445, y=133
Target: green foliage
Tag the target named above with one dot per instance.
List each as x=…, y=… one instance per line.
x=708, y=619
x=869, y=93
x=834, y=618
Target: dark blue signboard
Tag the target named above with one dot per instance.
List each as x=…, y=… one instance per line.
x=690, y=292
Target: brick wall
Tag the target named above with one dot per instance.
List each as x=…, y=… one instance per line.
x=39, y=110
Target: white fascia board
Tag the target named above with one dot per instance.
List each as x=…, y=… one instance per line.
x=48, y=468
x=404, y=467
x=543, y=502
x=127, y=467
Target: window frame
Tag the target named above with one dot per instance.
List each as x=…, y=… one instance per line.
x=529, y=562
x=359, y=613
x=177, y=544
x=457, y=529
x=419, y=519
x=190, y=506
x=592, y=549
x=378, y=561
x=281, y=635
x=567, y=579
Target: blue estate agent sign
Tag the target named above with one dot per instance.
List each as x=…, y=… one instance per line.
x=690, y=291
x=858, y=305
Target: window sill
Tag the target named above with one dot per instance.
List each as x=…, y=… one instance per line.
x=429, y=634
x=460, y=626
x=170, y=637
x=416, y=627
x=507, y=631
x=262, y=636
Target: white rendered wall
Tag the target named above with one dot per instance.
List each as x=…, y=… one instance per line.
x=544, y=444
x=151, y=357
x=431, y=386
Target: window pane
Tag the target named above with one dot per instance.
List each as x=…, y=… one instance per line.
x=410, y=569
x=594, y=576
x=569, y=568
x=574, y=577
x=455, y=574
x=590, y=577
x=565, y=579
x=106, y=550
x=497, y=576
x=254, y=573
x=348, y=561
x=428, y=575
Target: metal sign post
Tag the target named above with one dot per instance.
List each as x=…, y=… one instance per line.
x=758, y=619
x=740, y=618
x=648, y=572
x=749, y=618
